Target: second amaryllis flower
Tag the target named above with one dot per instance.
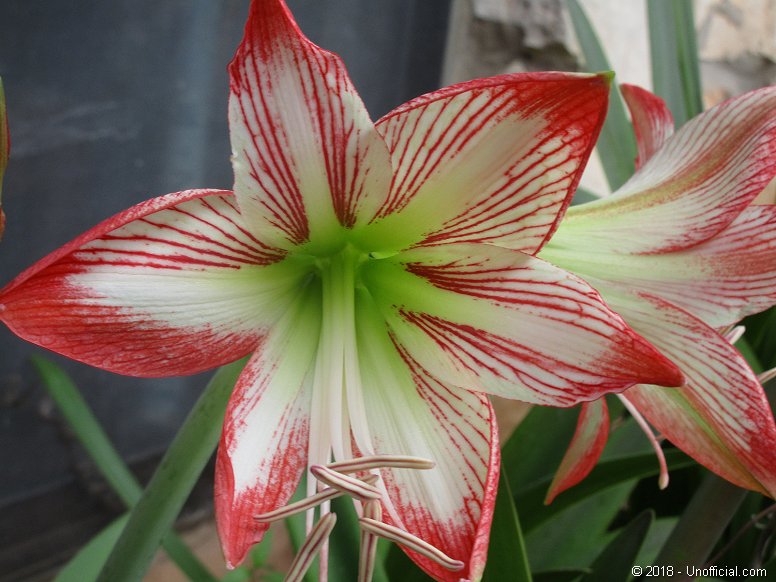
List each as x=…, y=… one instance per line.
x=681, y=253
x=382, y=275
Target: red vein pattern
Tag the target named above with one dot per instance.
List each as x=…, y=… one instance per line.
x=263, y=448
x=507, y=323
x=307, y=156
x=409, y=410
x=653, y=122
x=585, y=449
x=172, y=286
x=493, y=160
x=691, y=188
x=721, y=417
x=721, y=281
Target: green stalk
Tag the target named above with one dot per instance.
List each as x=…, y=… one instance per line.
x=674, y=52
x=98, y=446
x=616, y=144
x=172, y=482
x=701, y=526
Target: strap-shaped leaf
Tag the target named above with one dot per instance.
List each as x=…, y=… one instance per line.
x=172, y=482
x=615, y=562
x=674, y=52
x=616, y=145
x=507, y=558
x=93, y=438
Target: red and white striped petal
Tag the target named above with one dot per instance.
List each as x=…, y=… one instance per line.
x=506, y=323
x=172, y=286
x=306, y=155
x=721, y=280
x=721, y=417
x=494, y=160
x=653, y=122
x=263, y=448
x=691, y=189
x=585, y=449
x=409, y=412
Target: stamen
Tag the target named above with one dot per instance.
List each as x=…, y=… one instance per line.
x=348, y=485
x=733, y=333
x=381, y=461
x=368, y=550
x=311, y=546
x=307, y=503
x=414, y=543
x=767, y=375
x=663, y=479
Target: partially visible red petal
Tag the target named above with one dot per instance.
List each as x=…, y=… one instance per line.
x=493, y=160
x=307, y=157
x=172, y=286
x=409, y=412
x=263, y=448
x=653, y=122
x=721, y=417
x=691, y=189
x=503, y=322
x=585, y=449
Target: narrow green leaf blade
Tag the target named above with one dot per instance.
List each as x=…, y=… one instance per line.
x=172, y=482
x=87, y=429
x=674, y=52
x=88, y=562
x=95, y=441
x=607, y=474
x=507, y=557
x=617, y=144
x=615, y=562
x=702, y=523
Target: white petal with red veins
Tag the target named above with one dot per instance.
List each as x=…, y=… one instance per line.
x=691, y=189
x=409, y=412
x=172, y=286
x=493, y=160
x=263, y=448
x=653, y=122
x=585, y=449
x=503, y=322
x=720, y=281
x=306, y=156
x=721, y=417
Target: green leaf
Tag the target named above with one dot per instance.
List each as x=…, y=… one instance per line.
x=507, y=558
x=702, y=523
x=674, y=52
x=172, y=482
x=536, y=447
x=98, y=446
x=605, y=475
x=761, y=334
x=615, y=562
x=558, y=543
x=88, y=562
x=560, y=575
x=617, y=144
x=401, y=568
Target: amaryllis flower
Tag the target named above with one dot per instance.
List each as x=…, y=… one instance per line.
x=382, y=275
x=680, y=253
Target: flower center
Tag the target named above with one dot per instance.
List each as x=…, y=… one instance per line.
x=337, y=399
